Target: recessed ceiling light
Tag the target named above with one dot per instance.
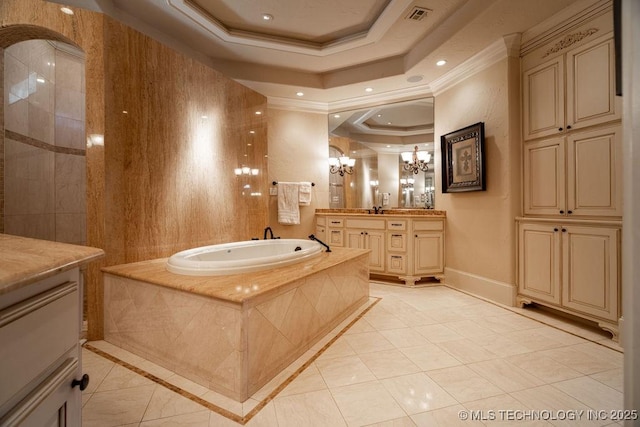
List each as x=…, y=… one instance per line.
x=368, y=89
x=414, y=79
x=66, y=10
x=267, y=17
x=441, y=63
x=388, y=146
x=299, y=93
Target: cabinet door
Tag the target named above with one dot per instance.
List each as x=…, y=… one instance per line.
x=354, y=239
x=544, y=177
x=397, y=263
x=543, y=99
x=590, y=271
x=594, y=183
x=591, y=97
x=375, y=242
x=397, y=242
x=539, y=261
x=428, y=253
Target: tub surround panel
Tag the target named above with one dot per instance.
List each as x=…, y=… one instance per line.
x=232, y=334
x=170, y=181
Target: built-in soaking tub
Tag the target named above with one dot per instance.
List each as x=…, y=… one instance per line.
x=232, y=333
x=242, y=257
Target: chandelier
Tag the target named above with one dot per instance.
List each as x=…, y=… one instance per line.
x=341, y=165
x=415, y=160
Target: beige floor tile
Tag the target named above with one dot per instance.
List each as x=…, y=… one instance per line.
x=613, y=378
x=97, y=372
x=592, y=393
x=505, y=323
x=543, y=367
x=343, y=371
x=367, y=342
x=120, y=378
x=464, y=384
x=388, y=363
x=404, y=337
x=166, y=403
x=316, y=408
x=430, y=357
x=193, y=419
x=384, y=321
x=445, y=417
x=550, y=400
x=339, y=348
x=581, y=359
x=117, y=407
x=438, y=333
x=309, y=380
x=505, y=375
x=366, y=403
x=360, y=326
x=398, y=422
x=500, y=345
x=534, y=339
x=187, y=385
x=466, y=351
x=418, y=393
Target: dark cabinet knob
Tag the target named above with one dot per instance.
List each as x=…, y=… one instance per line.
x=568, y=126
x=562, y=212
x=569, y=212
x=82, y=382
x=560, y=129
x=564, y=230
x=555, y=229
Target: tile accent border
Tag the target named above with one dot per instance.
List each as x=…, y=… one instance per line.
x=217, y=409
x=9, y=134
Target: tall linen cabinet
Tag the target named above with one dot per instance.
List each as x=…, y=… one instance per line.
x=569, y=236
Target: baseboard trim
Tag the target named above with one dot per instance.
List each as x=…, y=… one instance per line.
x=492, y=290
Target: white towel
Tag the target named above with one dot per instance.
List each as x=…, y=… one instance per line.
x=304, y=194
x=288, y=199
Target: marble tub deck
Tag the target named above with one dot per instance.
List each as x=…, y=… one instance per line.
x=232, y=334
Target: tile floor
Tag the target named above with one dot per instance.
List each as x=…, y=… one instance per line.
x=413, y=357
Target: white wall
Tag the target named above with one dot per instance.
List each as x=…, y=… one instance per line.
x=480, y=229
x=298, y=151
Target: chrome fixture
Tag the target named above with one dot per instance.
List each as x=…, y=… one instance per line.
x=415, y=160
x=341, y=165
x=407, y=182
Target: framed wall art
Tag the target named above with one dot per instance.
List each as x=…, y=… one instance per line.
x=463, y=160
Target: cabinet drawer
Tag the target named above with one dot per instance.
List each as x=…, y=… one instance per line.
x=397, y=264
x=428, y=225
x=335, y=222
x=320, y=220
x=41, y=330
x=397, y=242
x=399, y=225
x=367, y=224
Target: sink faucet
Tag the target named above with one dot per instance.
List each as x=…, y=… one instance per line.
x=265, y=233
x=375, y=210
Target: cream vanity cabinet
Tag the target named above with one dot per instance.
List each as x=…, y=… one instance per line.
x=569, y=237
x=574, y=175
x=572, y=266
x=573, y=90
x=40, y=321
x=408, y=247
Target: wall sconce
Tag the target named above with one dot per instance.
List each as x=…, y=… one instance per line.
x=415, y=160
x=341, y=165
x=407, y=182
x=246, y=170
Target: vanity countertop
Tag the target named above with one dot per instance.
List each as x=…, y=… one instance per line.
x=24, y=260
x=390, y=212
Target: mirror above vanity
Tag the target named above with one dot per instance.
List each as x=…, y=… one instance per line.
x=375, y=140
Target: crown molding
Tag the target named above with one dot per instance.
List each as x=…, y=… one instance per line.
x=301, y=105
x=394, y=10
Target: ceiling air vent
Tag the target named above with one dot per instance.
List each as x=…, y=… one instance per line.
x=417, y=13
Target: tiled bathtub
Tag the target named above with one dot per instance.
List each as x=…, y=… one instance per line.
x=231, y=334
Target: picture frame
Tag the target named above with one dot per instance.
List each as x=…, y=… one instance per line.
x=463, y=160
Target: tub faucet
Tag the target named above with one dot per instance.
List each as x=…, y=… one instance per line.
x=265, y=233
